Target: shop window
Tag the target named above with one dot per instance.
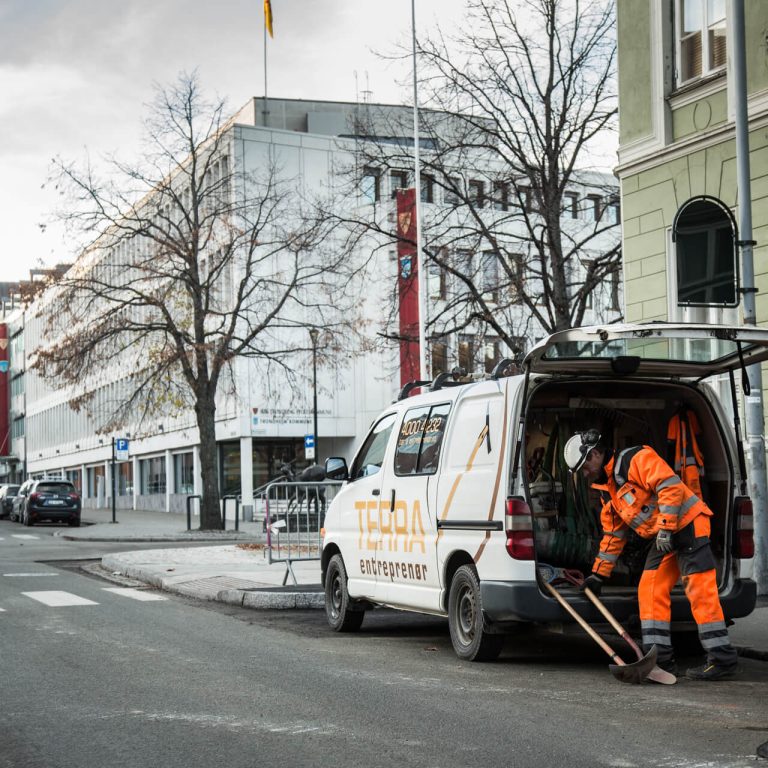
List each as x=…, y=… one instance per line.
x=125, y=478
x=704, y=234
x=701, y=38
x=152, y=472
x=420, y=438
x=183, y=473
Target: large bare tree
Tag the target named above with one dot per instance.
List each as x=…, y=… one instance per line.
x=193, y=261
x=515, y=108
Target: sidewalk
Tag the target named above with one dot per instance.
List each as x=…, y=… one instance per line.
x=238, y=573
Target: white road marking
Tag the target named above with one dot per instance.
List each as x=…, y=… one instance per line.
x=2, y=610
x=135, y=594
x=58, y=599
x=23, y=536
x=25, y=575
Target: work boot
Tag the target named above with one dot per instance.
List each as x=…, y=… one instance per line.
x=712, y=671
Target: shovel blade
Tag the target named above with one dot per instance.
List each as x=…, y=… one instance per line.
x=659, y=675
x=636, y=672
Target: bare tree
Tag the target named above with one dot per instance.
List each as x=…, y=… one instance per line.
x=514, y=106
x=193, y=262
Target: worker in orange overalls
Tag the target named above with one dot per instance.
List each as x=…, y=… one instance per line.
x=641, y=492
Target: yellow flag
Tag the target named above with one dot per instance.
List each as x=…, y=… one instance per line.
x=268, y=17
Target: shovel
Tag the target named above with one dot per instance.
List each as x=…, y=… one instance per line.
x=657, y=674
x=636, y=672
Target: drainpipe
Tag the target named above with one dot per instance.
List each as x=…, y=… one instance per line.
x=754, y=401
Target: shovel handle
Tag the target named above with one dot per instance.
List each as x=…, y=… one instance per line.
x=591, y=632
x=612, y=621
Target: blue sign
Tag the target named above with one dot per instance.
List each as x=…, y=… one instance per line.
x=121, y=449
x=3, y=366
x=309, y=441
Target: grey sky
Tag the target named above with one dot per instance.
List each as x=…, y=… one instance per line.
x=77, y=74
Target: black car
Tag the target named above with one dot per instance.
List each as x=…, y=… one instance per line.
x=49, y=499
x=7, y=495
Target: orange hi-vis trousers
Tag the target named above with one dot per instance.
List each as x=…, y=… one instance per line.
x=693, y=559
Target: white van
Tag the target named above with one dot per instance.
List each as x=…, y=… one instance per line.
x=458, y=493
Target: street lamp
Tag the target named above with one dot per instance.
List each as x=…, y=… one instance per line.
x=314, y=334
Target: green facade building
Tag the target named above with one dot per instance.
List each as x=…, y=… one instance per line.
x=676, y=144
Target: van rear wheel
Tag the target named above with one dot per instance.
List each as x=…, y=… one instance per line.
x=470, y=639
x=340, y=615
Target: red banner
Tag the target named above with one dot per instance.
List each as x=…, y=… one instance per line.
x=408, y=285
x=5, y=437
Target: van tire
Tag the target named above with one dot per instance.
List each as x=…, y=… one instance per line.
x=340, y=615
x=469, y=636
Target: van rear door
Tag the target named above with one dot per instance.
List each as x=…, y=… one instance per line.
x=659, y=350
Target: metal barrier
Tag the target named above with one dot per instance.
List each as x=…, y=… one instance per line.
x=189, y=509
x=294, y=513
x=224, y=500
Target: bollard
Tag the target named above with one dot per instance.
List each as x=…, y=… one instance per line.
x=189, y=509
x=224, y=500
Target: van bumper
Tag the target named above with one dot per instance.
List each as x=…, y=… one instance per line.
x=510, y=601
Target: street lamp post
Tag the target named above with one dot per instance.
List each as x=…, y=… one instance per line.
x=314, y=334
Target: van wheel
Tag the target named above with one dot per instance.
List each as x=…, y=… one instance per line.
x=465, y=618
x=337, y=602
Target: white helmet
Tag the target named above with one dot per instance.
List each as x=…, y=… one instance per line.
x=578, y=447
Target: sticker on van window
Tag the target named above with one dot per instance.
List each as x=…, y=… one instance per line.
x=420, y=438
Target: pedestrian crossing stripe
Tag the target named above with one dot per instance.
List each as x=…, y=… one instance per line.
x=23, y=536
x=58, y=599
x=135, y=594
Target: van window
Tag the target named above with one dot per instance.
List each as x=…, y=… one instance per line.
x=371, y=456
x=420, y=438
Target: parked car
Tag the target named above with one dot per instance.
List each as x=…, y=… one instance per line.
x=7, y=495
x=47, y=499
x=459, y=497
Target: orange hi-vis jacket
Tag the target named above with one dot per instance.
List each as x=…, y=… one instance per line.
x=645, y=496
x=689, y=462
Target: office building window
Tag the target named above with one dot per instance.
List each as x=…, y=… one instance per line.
x=452, y=193
x=397, y=180
x=500, y=196
x=595, y=207
x=476, y=193
x=439, y=357
x=427, y=189
x=370, y=185
x=467, y=352
x=701, y=38
x=571, y=205
x=490, y=276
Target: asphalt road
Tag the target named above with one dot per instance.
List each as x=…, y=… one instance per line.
x=119, y=681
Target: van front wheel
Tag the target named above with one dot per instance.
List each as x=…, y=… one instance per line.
x=470, y=639
x=337, y=602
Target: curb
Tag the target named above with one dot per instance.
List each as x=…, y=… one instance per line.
x=265, y=600
x=160, y=539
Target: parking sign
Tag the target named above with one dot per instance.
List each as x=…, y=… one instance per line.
x=121, y=448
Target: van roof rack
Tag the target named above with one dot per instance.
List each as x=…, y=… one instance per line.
x=457, y=377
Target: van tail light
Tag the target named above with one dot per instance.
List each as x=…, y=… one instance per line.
x=519, y=528
x=743, y=543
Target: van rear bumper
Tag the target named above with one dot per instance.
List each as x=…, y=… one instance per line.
x=510, y=601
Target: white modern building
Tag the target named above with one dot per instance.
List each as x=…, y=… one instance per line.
x=261, y=422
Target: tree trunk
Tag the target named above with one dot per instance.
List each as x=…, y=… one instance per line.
x=210, y=513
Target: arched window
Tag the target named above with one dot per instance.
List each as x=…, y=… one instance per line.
x=705, y=236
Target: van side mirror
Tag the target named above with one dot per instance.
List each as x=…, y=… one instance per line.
x=336, y=468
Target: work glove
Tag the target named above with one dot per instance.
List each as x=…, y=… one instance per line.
x=594, y=583
x=664, y=541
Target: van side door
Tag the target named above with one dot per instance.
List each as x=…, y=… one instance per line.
x=407, y=569
x=356, y=526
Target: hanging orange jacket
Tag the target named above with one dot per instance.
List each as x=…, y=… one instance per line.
x=645, y=496
x=688, y=459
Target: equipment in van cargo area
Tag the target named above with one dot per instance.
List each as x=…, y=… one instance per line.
x=459, y=494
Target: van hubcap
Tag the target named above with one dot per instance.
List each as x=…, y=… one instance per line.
x=467, y=609
x=336, y=596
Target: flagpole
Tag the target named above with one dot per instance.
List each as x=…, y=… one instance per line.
x=421, y=266
x=266, y=103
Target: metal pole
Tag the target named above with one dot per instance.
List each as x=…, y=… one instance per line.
x=421, y=266
x=753, y=406
x=112, y=472
x=314, y=334
x=266, y=103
